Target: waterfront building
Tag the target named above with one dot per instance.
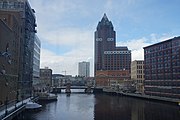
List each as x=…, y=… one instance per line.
x=58, y=80
x=84, y=69
x=9, y=59
x=28, y=24
x=46, y=76
x=162, y=68
x=36, y=63
x=111, y=62
x=137, y=74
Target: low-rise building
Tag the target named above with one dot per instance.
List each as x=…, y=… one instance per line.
x=46, y=76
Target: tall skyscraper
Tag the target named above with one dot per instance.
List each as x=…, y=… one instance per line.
x=110, y=61
x=162, y=68
x=23, y=11
x=84, y=69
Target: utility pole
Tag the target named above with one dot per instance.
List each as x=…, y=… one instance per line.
x=64, y=72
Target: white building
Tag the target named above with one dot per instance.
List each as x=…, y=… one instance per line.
x=84, y=69
x=137, y=74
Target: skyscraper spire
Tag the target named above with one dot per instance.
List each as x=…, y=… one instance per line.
x=105, y=22
x=105, y=19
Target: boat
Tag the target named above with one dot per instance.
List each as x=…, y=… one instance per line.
x=32, y=106
x=43, y=96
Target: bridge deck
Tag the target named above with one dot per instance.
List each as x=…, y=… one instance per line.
x=72, y=87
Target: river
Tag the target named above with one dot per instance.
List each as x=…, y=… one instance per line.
x=103, y=107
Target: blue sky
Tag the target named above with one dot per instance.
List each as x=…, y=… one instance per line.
x=66, y=28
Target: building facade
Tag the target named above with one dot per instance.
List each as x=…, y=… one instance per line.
x=108, y=56
x=137, y=74
x=84, y=69
x=162, y=68
x=9, y=59
x=46, y=76
x=58, y=80
x=36, y=61
x=28, y=24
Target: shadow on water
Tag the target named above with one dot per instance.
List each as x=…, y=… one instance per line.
x=127, y=108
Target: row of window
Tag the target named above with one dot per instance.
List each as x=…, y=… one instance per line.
x=163, y=77
x=162, y=83
x=140, y=72
x=11, y=5
x=140, y=76
x=162, y=90
x=140, y=67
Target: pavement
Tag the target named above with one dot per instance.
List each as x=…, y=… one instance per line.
x=11, y=108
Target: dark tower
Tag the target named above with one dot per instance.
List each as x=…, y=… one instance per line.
x=110, y=62
x=105, y=39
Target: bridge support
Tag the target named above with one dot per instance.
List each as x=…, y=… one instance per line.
x=88, y=89
x=68, y=88
x=56, y=90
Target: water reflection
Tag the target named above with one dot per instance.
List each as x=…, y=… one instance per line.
x=103, y=107
x=125, y=108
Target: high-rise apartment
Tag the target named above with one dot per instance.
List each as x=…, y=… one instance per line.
x=162, y=68
x=110, y=61
x=23, y=11
x=84, y=69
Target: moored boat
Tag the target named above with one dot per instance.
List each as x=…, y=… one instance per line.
x=47, y=96
x=32, y=106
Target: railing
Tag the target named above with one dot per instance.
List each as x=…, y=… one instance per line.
x=13, y=109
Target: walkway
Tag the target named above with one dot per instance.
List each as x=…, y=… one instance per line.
x=12, y=109
x=143, y=96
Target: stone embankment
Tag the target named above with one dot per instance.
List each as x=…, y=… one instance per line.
x=141, y=96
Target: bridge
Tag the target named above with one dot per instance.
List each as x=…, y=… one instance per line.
x=74, y=87
x=88, y=89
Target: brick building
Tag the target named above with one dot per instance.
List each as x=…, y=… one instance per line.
x=162, y=68
x=9, y=59
x=26, y=16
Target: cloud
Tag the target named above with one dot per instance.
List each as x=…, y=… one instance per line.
x=69, y=37
x=70, y=25
x=136, y=45
x=67, y=62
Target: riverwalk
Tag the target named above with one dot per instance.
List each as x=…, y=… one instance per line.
x=142, y=96
x=11, y=110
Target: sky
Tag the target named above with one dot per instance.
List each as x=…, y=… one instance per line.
x=66, y=28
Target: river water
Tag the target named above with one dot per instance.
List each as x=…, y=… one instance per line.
x=103, y=107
